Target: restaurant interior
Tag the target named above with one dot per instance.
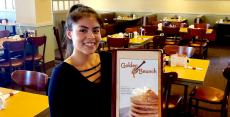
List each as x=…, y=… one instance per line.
x=194, y=33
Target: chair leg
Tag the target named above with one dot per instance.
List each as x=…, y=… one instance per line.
x=196, y=109
x=44, y=67
x=190, y=107
x=224, y=110
x=33, y=67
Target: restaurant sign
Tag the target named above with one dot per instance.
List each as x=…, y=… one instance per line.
x=137, y=89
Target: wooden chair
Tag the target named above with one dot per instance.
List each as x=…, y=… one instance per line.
x=30, y=79
x=150, y=29
x=171, y=103
x=14, y=55
x=171, y=33
x=13, y=58
x=132, y=29
x=151, y=19
x=4, y=33
x=113, y=42
x=211, y=95
x=175, y=49
x=102, y=45
x=211, y=36
x=103, y=32
x=202, y=25
x=158, y=42
x=198, y=41
x=199, y=19
x=35, y=58
x=60, y=55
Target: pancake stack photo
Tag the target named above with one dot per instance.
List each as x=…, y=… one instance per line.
x=144, y=105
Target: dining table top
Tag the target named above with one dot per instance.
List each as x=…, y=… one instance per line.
x=23, y=104
x=185, y=30
x=174, y=19
x=139, y=40
x=195, y=71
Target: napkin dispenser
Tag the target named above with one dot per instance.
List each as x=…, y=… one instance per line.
x=178, y=60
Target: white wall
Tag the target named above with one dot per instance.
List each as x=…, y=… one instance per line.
x=162, y=6
x=25, y=12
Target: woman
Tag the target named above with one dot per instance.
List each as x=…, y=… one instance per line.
x=81, y=85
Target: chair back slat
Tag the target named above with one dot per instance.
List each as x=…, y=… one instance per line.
x=159, y=42
x=117, y=42
x=183, y=50
x=197, y=32
x=18, y=45
x=171, y=31
x=132, y=29
x=37, y=41
x=150, y=29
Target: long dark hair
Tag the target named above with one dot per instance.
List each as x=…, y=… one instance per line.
x=76, y=12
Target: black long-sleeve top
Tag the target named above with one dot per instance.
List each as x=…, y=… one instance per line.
x=72, y=95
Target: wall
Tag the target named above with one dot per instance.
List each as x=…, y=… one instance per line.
x=43, y=11
x=163, y=6
x=212, y=9
x=37, y=15
x=25, y=12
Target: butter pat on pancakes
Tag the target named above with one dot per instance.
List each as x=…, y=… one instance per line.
x=144, y=104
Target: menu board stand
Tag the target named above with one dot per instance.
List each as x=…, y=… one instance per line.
x=136, y=80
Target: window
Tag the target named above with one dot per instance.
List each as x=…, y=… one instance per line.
x=2, y=5
x=7, y=5
x=71, y=3
x=63, y=5
x=66, y=5
x=55, y=5
x=60, y=5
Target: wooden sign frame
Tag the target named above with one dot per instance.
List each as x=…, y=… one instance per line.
x=135, y=72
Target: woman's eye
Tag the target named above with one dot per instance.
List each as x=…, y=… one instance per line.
x=83, y=30
x=96, y=31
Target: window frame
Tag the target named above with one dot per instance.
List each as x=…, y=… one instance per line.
x=12, y=8
x=63, y=5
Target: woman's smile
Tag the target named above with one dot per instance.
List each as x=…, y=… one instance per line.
x=90, y=44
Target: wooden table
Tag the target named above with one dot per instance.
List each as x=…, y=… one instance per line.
x=174, y=20
x=126, y=18
x=188, y=76
x=24, y=104
x=185, y=30
x=140, y=40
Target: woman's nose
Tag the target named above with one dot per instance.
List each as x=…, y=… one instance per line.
x=91, y=34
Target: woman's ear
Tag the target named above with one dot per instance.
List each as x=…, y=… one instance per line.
x=69, y=34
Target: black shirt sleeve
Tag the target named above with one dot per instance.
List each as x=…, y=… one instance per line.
x=57, y=93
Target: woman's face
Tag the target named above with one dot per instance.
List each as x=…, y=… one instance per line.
x=86, y=35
